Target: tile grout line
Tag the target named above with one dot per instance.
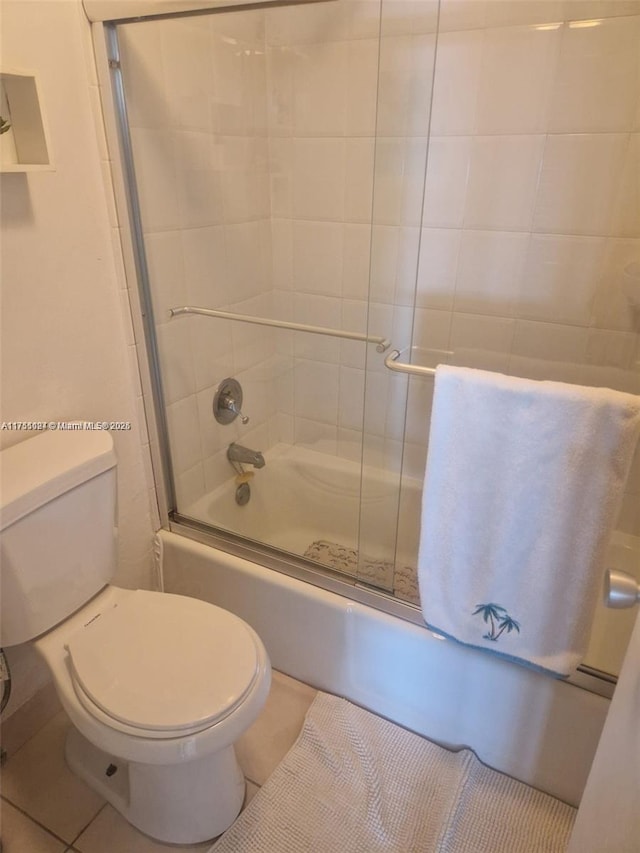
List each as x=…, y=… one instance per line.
x=34, y=820
x=69, y=846
x=84, y=828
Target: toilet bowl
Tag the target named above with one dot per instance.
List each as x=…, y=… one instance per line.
x=158, y=687
x=137, y=717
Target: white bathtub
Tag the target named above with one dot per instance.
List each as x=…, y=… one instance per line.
x=529, y=725
x=303, y=497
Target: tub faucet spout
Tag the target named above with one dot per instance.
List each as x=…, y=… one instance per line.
x=238, y=453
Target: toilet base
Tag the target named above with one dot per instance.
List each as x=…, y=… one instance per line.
x=179, y=803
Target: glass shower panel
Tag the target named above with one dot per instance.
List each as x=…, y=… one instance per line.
x=253, y=139
x=407, y=55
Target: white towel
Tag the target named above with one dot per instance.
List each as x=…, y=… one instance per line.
x=523, y=485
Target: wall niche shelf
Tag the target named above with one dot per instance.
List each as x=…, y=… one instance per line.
x=24, y=146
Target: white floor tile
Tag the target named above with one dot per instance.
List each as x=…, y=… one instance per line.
x=110, y=832
x=37, y=780
x=252, y=790
x=275, y=731
x=20, y=834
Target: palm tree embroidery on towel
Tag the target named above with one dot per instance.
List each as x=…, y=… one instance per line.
x=498, y=620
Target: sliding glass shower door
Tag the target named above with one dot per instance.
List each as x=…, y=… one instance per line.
x=279, y=157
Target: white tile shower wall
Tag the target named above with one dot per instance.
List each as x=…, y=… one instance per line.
x=332, y=82
x=196, y=93
x=322, y=74
x=519, y=237
x=532, y=207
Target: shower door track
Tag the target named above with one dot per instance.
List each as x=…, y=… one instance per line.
x=295, y=566
x=308, y=571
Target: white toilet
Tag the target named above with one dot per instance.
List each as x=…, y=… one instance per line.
x=158, y=687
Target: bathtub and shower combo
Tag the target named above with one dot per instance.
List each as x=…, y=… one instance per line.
x=287, y=172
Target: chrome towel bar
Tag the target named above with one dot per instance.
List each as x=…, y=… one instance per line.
x=391, y=361
x=382, y=344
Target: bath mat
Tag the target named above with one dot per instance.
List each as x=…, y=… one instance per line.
x=377, y=572
x=355, y=783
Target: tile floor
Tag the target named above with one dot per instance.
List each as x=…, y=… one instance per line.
x=46, y=809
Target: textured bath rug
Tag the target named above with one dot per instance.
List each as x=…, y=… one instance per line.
x=377, y=572
x=355, y=783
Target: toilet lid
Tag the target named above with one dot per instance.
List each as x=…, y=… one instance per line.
x=165, y=662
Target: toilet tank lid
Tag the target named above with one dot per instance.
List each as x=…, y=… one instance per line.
x=36, y=471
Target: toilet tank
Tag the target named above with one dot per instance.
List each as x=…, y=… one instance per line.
x=57, y=528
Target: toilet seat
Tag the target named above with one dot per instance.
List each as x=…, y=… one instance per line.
x=163, y=666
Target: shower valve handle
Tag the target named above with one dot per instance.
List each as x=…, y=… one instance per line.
x=227, y=402
x=230, y=404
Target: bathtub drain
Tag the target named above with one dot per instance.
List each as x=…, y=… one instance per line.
x=243, y=494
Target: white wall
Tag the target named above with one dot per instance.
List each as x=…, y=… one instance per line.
x=67, y=347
